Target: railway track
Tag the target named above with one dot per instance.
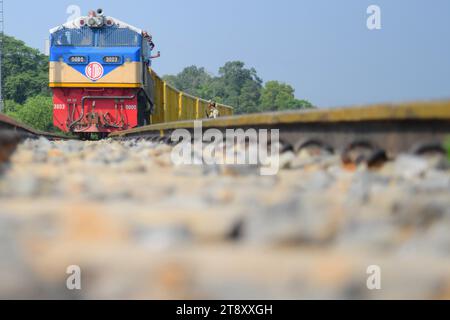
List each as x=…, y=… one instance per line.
x=370, y=133
x=9, y=126
x=139, y=226
x=13, y=132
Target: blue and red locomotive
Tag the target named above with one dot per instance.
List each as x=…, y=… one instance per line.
x=102, y=81
x=99, y=75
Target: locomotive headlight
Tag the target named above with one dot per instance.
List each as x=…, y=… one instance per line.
x=112, y=59
x=96, y=22
x=100, y=21
x=91, y=22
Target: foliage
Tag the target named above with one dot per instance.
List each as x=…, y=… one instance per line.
x=25, y=85
x=191, y=80
x=25, y=71
x=447, y=146
x=239, y=87
x=22, y=86
x=10, y=106
x=37, y=112
x=280, y=96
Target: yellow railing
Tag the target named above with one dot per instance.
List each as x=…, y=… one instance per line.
x=174, y=105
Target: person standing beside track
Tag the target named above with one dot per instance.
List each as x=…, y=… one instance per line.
x=213, y=112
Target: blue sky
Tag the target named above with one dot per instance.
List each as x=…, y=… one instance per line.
x=322, y=48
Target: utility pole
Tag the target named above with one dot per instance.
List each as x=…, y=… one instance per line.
x=1, y=56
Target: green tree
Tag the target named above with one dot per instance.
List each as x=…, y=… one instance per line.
x=25, y=71
x=24, y=85
x=303, y=104
x=236, y=85
x=280, y=96
x=192, y=80
x=37, y=112
x=10, y=106
x=447, y=146
x=249, y=97
x=241, y=86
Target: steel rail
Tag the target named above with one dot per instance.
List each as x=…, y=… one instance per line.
x=391, y=128
x=13, y=132
x=9, y=124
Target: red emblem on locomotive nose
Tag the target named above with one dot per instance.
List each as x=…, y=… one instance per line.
x=94, y=71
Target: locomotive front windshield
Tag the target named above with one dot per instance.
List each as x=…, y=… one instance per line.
x=115, y=37
x=73, y=38
x=102, y=37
